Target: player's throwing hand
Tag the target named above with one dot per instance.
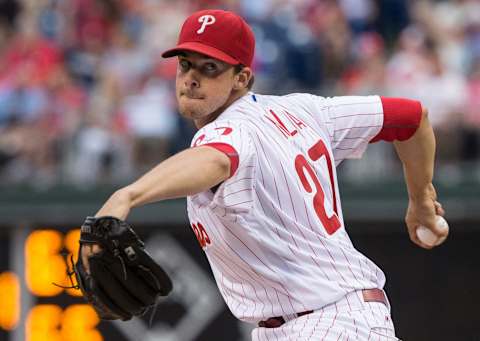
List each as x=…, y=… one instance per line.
x=423, y=212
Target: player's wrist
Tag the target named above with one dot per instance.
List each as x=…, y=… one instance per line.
x=421, y=193
x=118, y=205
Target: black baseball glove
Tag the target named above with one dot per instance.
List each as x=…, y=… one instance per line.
x=124, y=280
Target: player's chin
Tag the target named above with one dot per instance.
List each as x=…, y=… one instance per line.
x=191, y=111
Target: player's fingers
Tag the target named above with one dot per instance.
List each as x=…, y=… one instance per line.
x=412, y=232
x=96, y=248
x=86, y=251
x=441, y=229
x=89, y=250
x=418, y=242
x=439, y=209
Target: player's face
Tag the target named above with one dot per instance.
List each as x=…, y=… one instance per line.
x=203, y=86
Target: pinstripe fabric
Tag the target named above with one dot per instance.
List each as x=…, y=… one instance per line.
x=342, y=320
x=270, y=253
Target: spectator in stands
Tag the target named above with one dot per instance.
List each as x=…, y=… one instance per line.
x=80, y=80
x=471, y=122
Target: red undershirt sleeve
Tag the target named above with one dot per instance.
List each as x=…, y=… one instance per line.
x=401, y=119
x=229, y=151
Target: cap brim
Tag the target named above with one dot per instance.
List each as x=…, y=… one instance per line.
x=200, y=48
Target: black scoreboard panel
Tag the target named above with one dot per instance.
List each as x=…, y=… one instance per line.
x=434, y=294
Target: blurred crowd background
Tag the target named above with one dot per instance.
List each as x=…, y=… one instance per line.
x=85, y=97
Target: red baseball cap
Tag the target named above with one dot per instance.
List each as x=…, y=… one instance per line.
x=218, y=34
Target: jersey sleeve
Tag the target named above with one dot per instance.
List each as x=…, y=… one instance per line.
x=401, y=118
x=351, y=122
x=229, y=137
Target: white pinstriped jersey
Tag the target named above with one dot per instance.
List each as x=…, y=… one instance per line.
x=274, y=232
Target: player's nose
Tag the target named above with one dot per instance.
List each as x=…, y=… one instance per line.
x=191, y=80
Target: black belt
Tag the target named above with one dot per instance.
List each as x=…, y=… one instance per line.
x=369, y=295
x=277, y=321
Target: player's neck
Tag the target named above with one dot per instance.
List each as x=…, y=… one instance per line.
x=213, y=116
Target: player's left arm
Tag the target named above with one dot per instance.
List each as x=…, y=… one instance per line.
x=417, y=154
x=191, y=171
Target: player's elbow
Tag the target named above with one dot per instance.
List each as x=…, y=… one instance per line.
x=219, y=162
x=415, y=125
x=424, y=112
x=422, y=124
x=223, y=164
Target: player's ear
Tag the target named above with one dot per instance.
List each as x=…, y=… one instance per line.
x=242, y=78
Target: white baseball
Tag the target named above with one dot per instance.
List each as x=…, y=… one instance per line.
x=428, y=237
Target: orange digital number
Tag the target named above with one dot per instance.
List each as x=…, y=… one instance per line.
x=79, y=322
x=9, y=300
x=43, y=323
x=45, y=265
x=50, y=323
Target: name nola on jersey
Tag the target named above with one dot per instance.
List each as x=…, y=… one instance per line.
x=289, y=126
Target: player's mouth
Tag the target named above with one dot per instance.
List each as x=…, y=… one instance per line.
x=190, y=95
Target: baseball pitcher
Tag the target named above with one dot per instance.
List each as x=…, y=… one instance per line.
x=262, y=193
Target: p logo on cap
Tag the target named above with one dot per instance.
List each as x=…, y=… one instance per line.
x=205, y=20
x=218, y=34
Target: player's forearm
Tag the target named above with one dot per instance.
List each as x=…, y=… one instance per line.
x=418, y=155
x=189, y=172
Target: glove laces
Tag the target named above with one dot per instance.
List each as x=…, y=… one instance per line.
x=71, y=275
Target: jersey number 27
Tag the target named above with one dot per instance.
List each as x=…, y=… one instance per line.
x=332, y=223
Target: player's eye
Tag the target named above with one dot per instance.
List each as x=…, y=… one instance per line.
x=210, y=68
x=184, y=65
